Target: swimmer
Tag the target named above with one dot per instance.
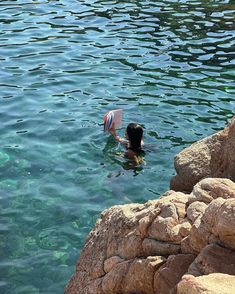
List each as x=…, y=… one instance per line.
x=133, y=142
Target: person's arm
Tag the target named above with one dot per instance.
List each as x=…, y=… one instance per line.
x=121, y=140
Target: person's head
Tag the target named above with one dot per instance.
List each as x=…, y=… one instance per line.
x=134, y=133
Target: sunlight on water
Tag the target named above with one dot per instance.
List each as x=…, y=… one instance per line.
x=168, y=64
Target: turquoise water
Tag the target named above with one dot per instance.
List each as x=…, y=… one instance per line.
x=169, y=64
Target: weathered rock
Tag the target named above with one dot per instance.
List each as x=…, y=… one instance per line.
x=139, y=278
x=123, y=232
x=79, y=283
x=186, y=247
x=171, y=213
x=184, y=228
x=112, y=282
x=101, y=241
x=195, y=210
x=146, y=248
x=154, y=247
x=170, y=273
x=123, y=238
x=216, y=225
x=210, y=157
x=211, y=188
x=219, y=219
x=193, y=164
x=211, y=284
x=199, y=236
x=132, y=276
x=111, y=262
x=213, y=259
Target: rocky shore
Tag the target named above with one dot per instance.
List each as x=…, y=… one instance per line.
x=183, y=242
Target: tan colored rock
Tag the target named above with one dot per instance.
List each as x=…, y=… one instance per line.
x=211, y=188
x=170, y=273
x=123, y=238
x=130, y=249
x=212, y=259
x=199, y=236
x=91, y=263
x=195, y=210
x=112, y=282
x=184, y=228
x=172, y=213
x=154, y=247
x=211, y=157
x=139, y=278
x=120, y=232
x=219, y=219
x=94, y=286
x=216, y=283
x=90, y=266
x=111, y=262
x=80, y=284
x=217, y=225
x=133, y=276
x=186, y=247
x=193, y=164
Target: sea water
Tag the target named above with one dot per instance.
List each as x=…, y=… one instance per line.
x=168, y=64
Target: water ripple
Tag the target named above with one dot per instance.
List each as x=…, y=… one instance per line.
x=169, y=64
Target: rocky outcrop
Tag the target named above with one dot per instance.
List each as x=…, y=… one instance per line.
x=183, y=242
x=171, y=272
x=212, y=259
x=210, y=157
x=163, y=245
x=211, y=284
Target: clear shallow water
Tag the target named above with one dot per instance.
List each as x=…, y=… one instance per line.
x=169, y=64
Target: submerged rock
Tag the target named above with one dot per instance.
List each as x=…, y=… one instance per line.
x=4, y=159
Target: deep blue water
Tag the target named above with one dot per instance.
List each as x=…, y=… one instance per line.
x=169, y=64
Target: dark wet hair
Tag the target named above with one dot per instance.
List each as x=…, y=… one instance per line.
x=135, y=134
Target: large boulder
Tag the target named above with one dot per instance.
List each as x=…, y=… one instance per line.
x=132, y=275
x=124, y=233
x=210, y=157
x=212, y=259
x=147, y=248
x=171, y=272
x=211, y=188
x=217, y=225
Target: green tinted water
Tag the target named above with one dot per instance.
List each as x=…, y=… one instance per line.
x=169, y=64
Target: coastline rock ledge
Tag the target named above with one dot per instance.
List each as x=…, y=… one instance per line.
x=181, y=243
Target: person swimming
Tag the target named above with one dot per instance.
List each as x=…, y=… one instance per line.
x=133, y=142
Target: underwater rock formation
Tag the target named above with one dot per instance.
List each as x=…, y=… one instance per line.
x=148, y=248
x=183, y=242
